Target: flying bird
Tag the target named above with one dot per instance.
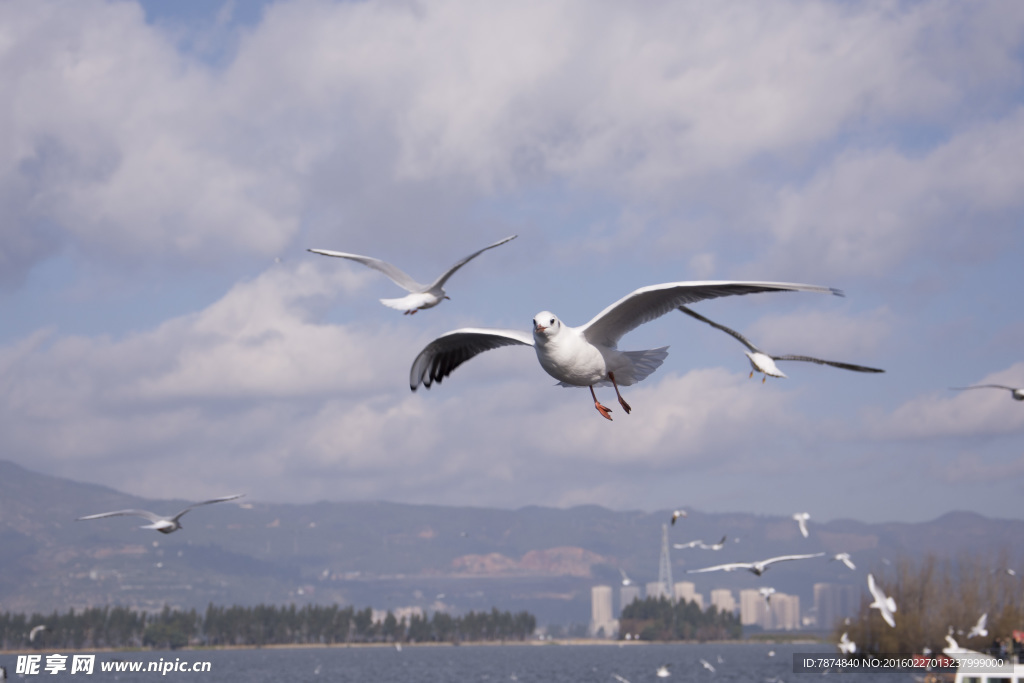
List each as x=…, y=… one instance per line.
x=690, y=544
x=766, y=593
x=626, y=581
x=801, y=519
x=979, y=630
x=845, y=559
x=36, y=630
x=764, y=363
x=420, y=297
x=676, y=514
x=663, y=671
x=1017, y=394
x=164, y=525
x=707, y=665
x=756, y=568
x=884, y=604
x=845, y=645
x=588, y=355
x=714, y=546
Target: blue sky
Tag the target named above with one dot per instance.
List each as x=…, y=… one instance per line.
x=167, y=165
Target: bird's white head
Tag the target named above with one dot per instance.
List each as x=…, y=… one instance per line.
x=545, y=326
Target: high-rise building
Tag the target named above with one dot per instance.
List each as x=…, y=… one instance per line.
x=782, y=612
x=723, y=600
x=627, y=594
x=833, y=602
x=665, y=566
x=602, y=623
x=656, y=589
x=685, y=590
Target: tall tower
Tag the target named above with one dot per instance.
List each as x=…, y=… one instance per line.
x=665, y=567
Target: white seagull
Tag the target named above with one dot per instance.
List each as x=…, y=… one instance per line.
x=846, y=646
x=676, y=514
x=663, y=671
x=884, y=604
x=714, y=546
x=626, y=581
x=979, y=630
x=756, y=568
x=1017, y=394
x=845, y=559
x=707, y=665
x=801, y=519
x=164, y=525
x=420, y=296
x=766, y=593
x=690, y=544
x=765, y=364
x=587, y=356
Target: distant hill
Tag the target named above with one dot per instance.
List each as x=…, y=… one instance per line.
x=390, y=555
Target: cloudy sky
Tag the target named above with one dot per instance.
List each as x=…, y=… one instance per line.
x=165, y=166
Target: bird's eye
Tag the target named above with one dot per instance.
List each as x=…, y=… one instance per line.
x=552, y=322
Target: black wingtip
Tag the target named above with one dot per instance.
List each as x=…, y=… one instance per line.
x=837, y=292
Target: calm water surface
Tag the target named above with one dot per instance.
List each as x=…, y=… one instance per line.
x=476, y=664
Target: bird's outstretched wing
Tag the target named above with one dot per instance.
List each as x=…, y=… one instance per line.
x=728, y=330
x=130, y=513
x=786, y=558
x=722, y=567
x=648, y=303
x=982, y=386
x=397, y=276
x=835, y=364
x=439, y=282
x=207, y=502
x=440, y=357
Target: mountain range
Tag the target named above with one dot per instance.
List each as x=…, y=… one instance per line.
x=392, y=555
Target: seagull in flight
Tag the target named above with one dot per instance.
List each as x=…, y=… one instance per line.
x=676, y=514
x=690, y=544
x=626, y=581
x=884, y=604
x=764, y=363
x=766, y=593
x=756, y=568
x=714, y=546
x=164, y=525
x=846, y=646
x=979, y=630
x=1017, y=394
x=420, y=296
x=707, y=665
x=588, y=355
x=801, y=519
x=845, y=559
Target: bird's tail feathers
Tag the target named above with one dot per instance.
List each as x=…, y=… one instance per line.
x=646, y=362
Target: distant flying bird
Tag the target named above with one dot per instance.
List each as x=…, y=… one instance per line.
x=884, y=604
x=979, y=630
x=164, y=525
x=801, y=519
x=619, y=678
x=714, y=546
x=626, y=581
x=588, y=355
x=690, y=544
x=845, y=559
x=676, y=514
x=846, y=646
x=1017, y=394
x=420, y=297
x=766, y=593
x=36, y=630
x=756, y=568
x=765, y=364
x=663, y=671
x=707, y=665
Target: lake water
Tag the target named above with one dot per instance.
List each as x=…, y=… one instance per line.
x=636, y=663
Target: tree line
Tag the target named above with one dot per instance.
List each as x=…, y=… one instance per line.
x=661, y=619
x=120, y=627
x=935, y=598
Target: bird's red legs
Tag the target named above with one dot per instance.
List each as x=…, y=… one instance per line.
x=764, y=379
x=622, y=402
x=600, y=408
